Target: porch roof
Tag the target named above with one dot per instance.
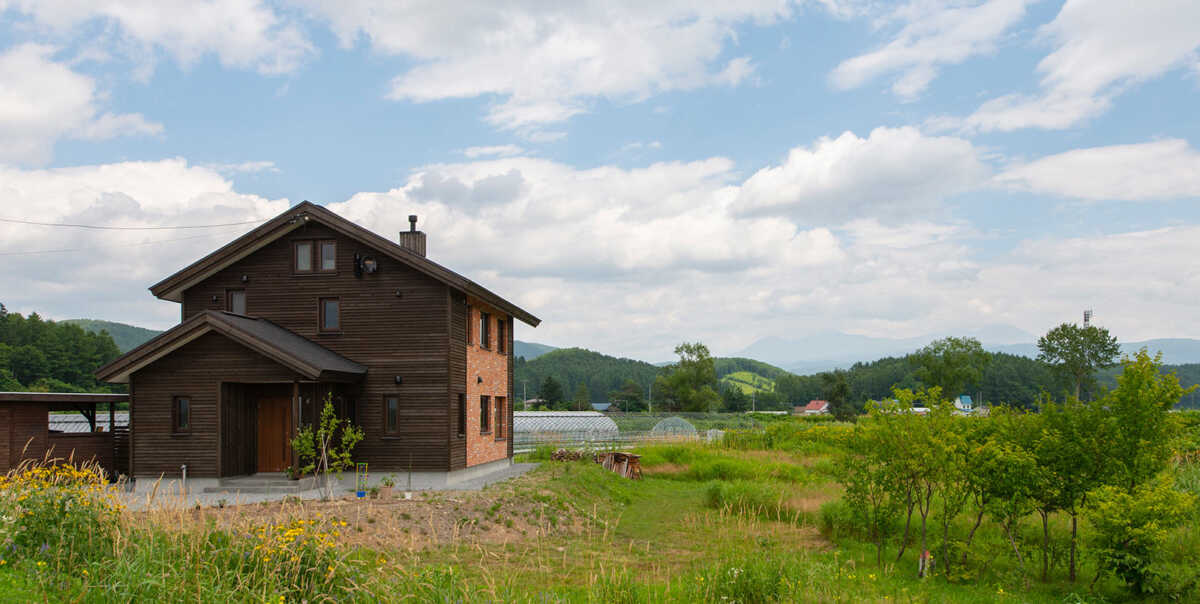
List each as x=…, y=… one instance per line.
x=305, y=357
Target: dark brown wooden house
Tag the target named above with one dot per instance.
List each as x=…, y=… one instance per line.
x=307, y=306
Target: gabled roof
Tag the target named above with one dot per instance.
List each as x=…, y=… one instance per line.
x=296, y=216
x=816, y=405
x=295, y=352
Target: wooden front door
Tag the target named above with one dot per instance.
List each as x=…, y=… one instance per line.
x=274, y=427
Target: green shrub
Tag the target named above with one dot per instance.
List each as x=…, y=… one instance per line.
x=749, y=580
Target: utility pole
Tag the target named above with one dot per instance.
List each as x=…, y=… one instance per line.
x=525, y=393
x=650, y=397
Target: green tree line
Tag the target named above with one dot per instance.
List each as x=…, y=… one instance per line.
x=910, y=477
x=37, y=355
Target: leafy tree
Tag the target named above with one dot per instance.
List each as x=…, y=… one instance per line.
x=692, y=381
x=1131, y=527
x=1078, y=352
x=1074, y=452
x=733, y=399
x=326, y=447
x=951, y=364
x=629, y=397
x=837, y=392
x=1143, y=431
x=551, y=392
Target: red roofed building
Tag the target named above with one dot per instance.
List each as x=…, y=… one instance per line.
x=815, y=407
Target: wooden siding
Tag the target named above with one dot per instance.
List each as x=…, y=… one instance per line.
x=238, y=435
x=458, y=378
x=402, y=335
x=196, y=370
x=26, y=435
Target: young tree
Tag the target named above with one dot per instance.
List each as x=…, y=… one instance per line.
x=952, y=364
x=1078, y=352
x=326, y=447
x=1143, y=428
x=1074, y=451
x=1131, y=528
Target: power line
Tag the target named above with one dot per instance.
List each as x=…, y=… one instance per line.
x=127, y=228
x=93, y=249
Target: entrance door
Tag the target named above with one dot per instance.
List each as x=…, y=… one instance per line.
x=274, y=425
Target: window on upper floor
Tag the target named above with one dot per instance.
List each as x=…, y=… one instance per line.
x=235, y=301
x=500, y=341
x=328, y=256
x=469, y=324
x=485, y=330
x=331, y=311
x=315, y=256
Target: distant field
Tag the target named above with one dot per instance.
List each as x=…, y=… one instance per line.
x=748, y=382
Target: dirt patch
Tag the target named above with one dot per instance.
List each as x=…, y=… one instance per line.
x=493, y=516
x=664, y=468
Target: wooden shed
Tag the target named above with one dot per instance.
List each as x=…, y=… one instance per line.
x=26, y=430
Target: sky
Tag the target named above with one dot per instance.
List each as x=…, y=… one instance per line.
x=636, y=174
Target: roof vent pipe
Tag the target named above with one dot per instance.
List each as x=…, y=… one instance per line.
x=412, y=239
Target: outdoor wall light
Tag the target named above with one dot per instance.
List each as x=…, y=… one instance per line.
x=215, y=299
x=399, y=293
x=399, y=380
x=245, y=278
x=478, y=380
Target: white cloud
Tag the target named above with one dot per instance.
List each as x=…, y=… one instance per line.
x=933, y=34
x=1168, y=169
x=894, y=172
x=42, y=101
x=494, y=150
x=240, y=33
x=106, y=274
x=1101, y=49
x=545, y=62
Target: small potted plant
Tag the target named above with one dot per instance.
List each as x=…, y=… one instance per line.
x=386, y=485
x=292, y=473
x=373, y=493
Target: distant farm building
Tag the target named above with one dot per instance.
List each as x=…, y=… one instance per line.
x=814, y=407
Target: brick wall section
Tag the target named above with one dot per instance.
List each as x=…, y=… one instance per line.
x=492, y=366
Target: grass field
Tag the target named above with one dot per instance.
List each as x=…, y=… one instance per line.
x=748, y=382
x=755, y=520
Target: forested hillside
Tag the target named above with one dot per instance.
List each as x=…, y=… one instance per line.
x=126, y=337
x=572, y=367
x=45, y=356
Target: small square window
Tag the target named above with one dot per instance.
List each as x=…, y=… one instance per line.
x=235, y=301
x=331, y=319
x=304, y=257
x=328, y=256
x=391, y=414
x=182, y=412
x=485, y=414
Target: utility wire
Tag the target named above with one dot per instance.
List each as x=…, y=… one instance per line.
x=127, y=228
x=93, y=249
